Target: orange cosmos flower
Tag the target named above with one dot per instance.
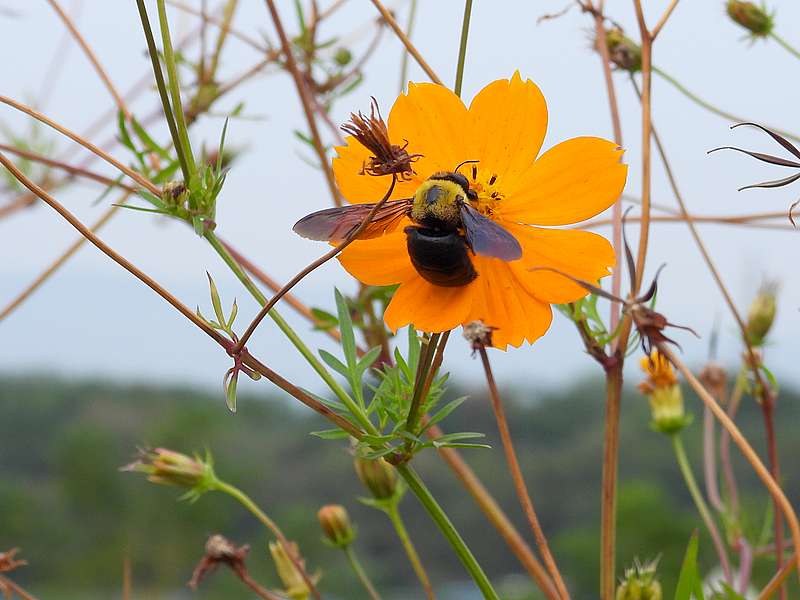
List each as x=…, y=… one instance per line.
x=503, y=130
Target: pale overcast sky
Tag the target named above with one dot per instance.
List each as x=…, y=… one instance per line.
x=92, y=318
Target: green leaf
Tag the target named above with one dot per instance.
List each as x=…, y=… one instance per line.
x=367, y=360
x=443, y=412
x=157, y=211
x=230, y=391
x=334, y=363
x=464, y=435
x=215, y=301
x=234, y=312
x=324, y=319
x=149, y=143
x=346, y=330
x=689, y=583
x=331, y=434
x=461, y=445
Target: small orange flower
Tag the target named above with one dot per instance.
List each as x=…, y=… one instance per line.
x=502, y=130
x=659, y=371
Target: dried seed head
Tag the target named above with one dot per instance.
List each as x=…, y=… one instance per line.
x=761, y=314
x=372, y=133
x=714, y=377
x=220, y=551
x=478, y=334
x=756, y=19
x=336, y=526
x=623, y=51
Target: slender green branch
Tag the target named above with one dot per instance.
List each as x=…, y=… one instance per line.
x=710, y=107
x=462, y=47
x=361, y=573
x=786, y=46
x=448, y=530
x=290, y=333
x=393, y=510
x=702, y=507
x=175, y=92
x=259, y=514
x=161, y=86
x=412, y=15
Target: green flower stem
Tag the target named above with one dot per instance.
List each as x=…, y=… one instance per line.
x=393, y=511
x=711, y=108
x=412, y=15
x=291, y=334
x=786, y=46
x=259, y=514
x=702, y=507
x=448, y=530
x=360, y=572
x=424, y=366
x=175, y=92
x=152, y=50
x=462, y=48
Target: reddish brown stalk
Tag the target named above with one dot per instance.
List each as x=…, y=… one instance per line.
x=13, y=588
x=519, y=480
x=351, y=237
x=778, y=581
x=763, y=473
x=245, y=356
x=412, y=50
x=304, y=93
x=92, y=58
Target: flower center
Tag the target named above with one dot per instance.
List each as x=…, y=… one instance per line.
x=487, y=186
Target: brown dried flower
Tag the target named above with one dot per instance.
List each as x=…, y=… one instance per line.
x=8, y=562
x=372, y=133
x=220, y=551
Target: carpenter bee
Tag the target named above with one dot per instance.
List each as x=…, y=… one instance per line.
x=446, y=229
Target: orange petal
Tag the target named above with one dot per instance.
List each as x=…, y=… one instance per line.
x=434, y=122
x=501, y=302
x=358, y=187
x=508, y=120
x=582, y=254
x=571, y=182
x=428, y=307
x=379, y=261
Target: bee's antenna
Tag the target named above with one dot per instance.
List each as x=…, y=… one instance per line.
x=466, y=162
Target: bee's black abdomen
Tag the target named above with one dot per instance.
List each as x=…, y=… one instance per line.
x=440, y=257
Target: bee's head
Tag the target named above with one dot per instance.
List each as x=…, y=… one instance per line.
x=458, y=179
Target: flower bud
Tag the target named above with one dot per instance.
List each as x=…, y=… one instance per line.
x=342, y=57
x=294, y=585
x=640, y=583
x=623, y=51
x=666, y=410
x=761, y=315
x=336, y=526
x=378, y=476
x=168, y=467
x=751, y=16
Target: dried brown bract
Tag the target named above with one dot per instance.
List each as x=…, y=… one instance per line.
x=372, y=133
x=773, y=160
x=8, y=562
x=220, y=551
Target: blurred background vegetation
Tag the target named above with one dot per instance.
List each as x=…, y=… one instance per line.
x=76, y=517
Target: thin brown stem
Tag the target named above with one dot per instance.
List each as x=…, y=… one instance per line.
x=207, y=18
x=663, y=20
x=92, y=58
x=83, y=142
x=519, y=480
x=387, y=16
x=304, y=93
x=351, y=237
x=608, y=503
x=8, y=584
x=776, y=583
x=747, y=220
x=744, y=446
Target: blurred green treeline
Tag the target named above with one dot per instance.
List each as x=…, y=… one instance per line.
x=64, y=501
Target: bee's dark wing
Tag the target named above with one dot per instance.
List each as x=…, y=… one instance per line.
x=486, y=237
x=335, y=224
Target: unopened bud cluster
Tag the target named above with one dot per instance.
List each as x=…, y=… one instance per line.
x=640, y=583
x=753, y=17
x=667, y=411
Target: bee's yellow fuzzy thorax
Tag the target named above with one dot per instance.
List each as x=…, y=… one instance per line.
x=437, y=198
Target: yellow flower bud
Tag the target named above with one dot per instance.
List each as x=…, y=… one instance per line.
x=294, y=585
x=336, y=526
x=667, y=411
x=378, y=476
x=640, y=583
x=168, y=467
x=751, y=16
x=761, y=315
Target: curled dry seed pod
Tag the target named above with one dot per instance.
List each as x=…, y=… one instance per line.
x=773, y=160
